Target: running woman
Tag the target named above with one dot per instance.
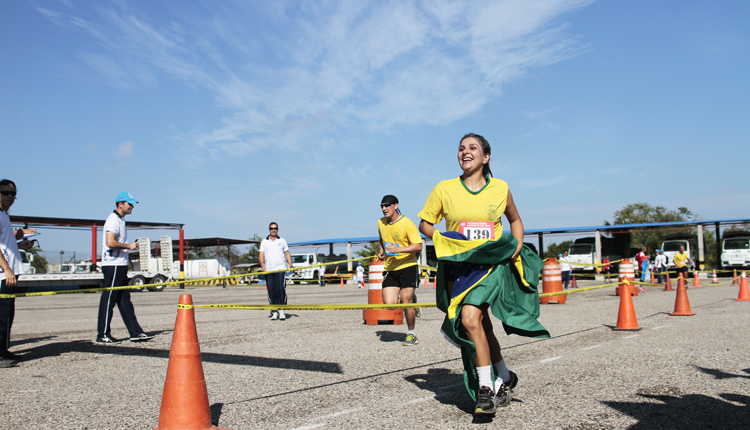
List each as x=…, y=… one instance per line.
x=502, y=274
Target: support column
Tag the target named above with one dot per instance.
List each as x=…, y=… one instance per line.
x=218, y=256
x=718, y=246
x=701, y=250
x=349, y=256
x=598, y=246
x=93, y=248
x=182, y=259
x=541, y=245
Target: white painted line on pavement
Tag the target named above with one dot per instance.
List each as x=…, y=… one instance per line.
x=631, y=336
x=448, y=387
x=336, y=414
x=661, y=326
x=310, y=427
x=27, y=391
x=591, y=347
x=547, y=360
x=415, y=401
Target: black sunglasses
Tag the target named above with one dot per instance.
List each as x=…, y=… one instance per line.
x=8, y=193
x=386, y=205
x=273, y=228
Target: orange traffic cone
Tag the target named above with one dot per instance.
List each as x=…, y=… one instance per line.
x=696, y=280
x=425, y=282
x=653, y=278
x=735, y=281
x=434, y=282
x=342, y=282
x=668, y=285
x=681, y=303
x=184, y=403
x=574, y=284
x=716, y=279
x=744, y=290
x=626, y=319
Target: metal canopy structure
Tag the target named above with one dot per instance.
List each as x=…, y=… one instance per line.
x=85, y=224
x=205, y=242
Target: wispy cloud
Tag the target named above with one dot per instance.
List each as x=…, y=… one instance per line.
x=286, y=74
x=125, y=150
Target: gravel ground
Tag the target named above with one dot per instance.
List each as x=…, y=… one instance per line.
x=328, y=370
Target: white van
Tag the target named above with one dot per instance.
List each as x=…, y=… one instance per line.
x=735, y=250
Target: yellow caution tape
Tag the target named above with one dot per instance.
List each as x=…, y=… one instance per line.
x=181, y=306
x=319, y=307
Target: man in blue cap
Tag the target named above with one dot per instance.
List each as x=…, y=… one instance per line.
x=660, y=266
x=115, y=268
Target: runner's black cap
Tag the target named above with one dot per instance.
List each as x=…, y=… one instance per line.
x=389, y=199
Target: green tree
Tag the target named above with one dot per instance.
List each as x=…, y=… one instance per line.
x=251, y=256
x=644, y=213
x=40, y=264
x=369, y=250
x=555, y=249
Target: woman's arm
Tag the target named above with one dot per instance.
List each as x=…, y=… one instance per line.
x=428, y=229
x=516, y=225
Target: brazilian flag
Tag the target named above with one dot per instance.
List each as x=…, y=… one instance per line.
x=479, y=272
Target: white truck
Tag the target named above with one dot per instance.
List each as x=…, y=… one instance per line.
x=671, y=246
x=735, y=250
x=583, y=251
x=302, y=272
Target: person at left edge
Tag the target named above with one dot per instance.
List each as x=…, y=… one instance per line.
x=11, y=268
x=399, y=243
x=114, y=265
x=272, y=254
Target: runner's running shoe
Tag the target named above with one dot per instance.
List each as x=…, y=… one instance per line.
x=502, y=398
x=141, y=337
x=411, y=340
x=106, y=339
x=513, y=380
x=485, y=401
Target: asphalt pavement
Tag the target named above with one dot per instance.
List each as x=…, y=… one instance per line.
x=328, y=370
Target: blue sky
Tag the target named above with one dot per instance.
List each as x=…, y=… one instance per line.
x=228, y=115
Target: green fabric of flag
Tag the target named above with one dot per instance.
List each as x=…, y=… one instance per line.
x=481, y=273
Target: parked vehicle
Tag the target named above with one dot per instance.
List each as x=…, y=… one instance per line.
x=304, y=272
x=672, y=244
x=583, y=250
x=735, y=250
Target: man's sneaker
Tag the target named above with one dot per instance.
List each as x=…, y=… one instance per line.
x=275, y=316
x=502, y=397
x=141, y=337
x=485, y=401
x=10, y=356
x=105, y=339
x=282, y=316
x=7, y=362
x=411, y=340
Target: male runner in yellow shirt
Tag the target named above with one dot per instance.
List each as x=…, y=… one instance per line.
x=681, y=261
x=400, y=241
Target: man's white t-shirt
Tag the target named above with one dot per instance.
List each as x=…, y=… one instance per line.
x=360, y=273
x=274, y=253
x=9, y=246
x=564, y=266
x=660, y=261
x=115, y=256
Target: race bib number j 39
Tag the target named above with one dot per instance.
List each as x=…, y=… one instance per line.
x=475, y=230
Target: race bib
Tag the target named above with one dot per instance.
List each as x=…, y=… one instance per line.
x=475, y=230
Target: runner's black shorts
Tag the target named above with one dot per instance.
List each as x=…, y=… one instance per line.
x=408, y=277
x=683, y=270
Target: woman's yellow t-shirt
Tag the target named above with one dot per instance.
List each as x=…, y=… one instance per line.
x=473, y=214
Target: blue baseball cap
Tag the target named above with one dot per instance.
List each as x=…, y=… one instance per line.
x=559, y=255
x=125, y=197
